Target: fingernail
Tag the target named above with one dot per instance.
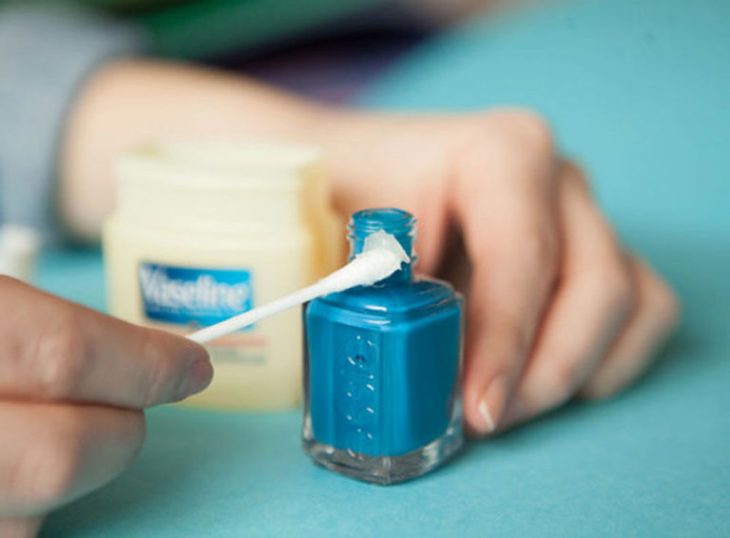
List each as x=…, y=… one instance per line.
x=199, y=376
x=486, y=416
x=491, y=405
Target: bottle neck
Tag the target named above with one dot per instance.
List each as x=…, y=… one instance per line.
x=400, y=224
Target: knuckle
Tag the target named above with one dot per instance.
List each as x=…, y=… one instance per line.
x=58, y=361
x=560, y=379
x=520, y=140
x=664, y=304
x=534, y=129
x=574, y=176
x=529, y=130
x=614, y=287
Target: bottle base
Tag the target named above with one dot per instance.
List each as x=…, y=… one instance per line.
x=385, y=470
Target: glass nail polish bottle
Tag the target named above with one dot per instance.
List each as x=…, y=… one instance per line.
x=383, y=367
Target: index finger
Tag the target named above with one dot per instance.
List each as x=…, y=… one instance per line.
x=55, y=350
x=506, y=203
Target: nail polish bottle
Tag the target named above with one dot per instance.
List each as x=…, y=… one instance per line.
x=383, y=368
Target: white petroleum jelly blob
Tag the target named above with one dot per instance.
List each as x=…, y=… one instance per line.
x=382, y=255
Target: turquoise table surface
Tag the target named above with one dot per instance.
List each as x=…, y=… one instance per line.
x=640, y=91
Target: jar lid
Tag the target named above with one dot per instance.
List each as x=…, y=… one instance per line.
x=221, y=183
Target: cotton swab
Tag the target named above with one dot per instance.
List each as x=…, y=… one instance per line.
x=382, y=255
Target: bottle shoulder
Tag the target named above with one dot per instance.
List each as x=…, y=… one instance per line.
x=393, y=299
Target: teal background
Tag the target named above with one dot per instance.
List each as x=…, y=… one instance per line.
x=640, y=91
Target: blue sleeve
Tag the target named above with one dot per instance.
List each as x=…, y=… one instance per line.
x=46, y=52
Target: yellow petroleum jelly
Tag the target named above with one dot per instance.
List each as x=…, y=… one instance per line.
x=202, y=232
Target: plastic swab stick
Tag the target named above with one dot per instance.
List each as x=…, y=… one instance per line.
x=382, y=255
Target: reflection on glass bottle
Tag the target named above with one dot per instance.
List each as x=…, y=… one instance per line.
x=383, y=367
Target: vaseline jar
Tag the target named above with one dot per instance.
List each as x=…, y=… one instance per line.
x=202, y=232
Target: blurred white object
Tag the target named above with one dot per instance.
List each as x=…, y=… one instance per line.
x=18, y=249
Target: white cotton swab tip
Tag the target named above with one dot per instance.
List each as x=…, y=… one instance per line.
x=382, y=255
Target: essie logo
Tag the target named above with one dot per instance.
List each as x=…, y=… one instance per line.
x=360, y=384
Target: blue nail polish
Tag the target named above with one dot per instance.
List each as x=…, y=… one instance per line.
x=383, y=368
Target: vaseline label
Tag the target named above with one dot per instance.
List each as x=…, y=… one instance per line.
x=194, y=296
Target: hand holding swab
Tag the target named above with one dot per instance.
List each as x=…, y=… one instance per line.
x=382, y=255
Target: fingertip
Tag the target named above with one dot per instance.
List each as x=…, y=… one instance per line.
x=179, y=368
x=194, y=353
x=488, y=424
x=197, y=369
x=492, y=404
x=484, y=406
x=197, y=349
x=200, y=375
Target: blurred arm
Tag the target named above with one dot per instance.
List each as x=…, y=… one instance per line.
x=129, y=103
